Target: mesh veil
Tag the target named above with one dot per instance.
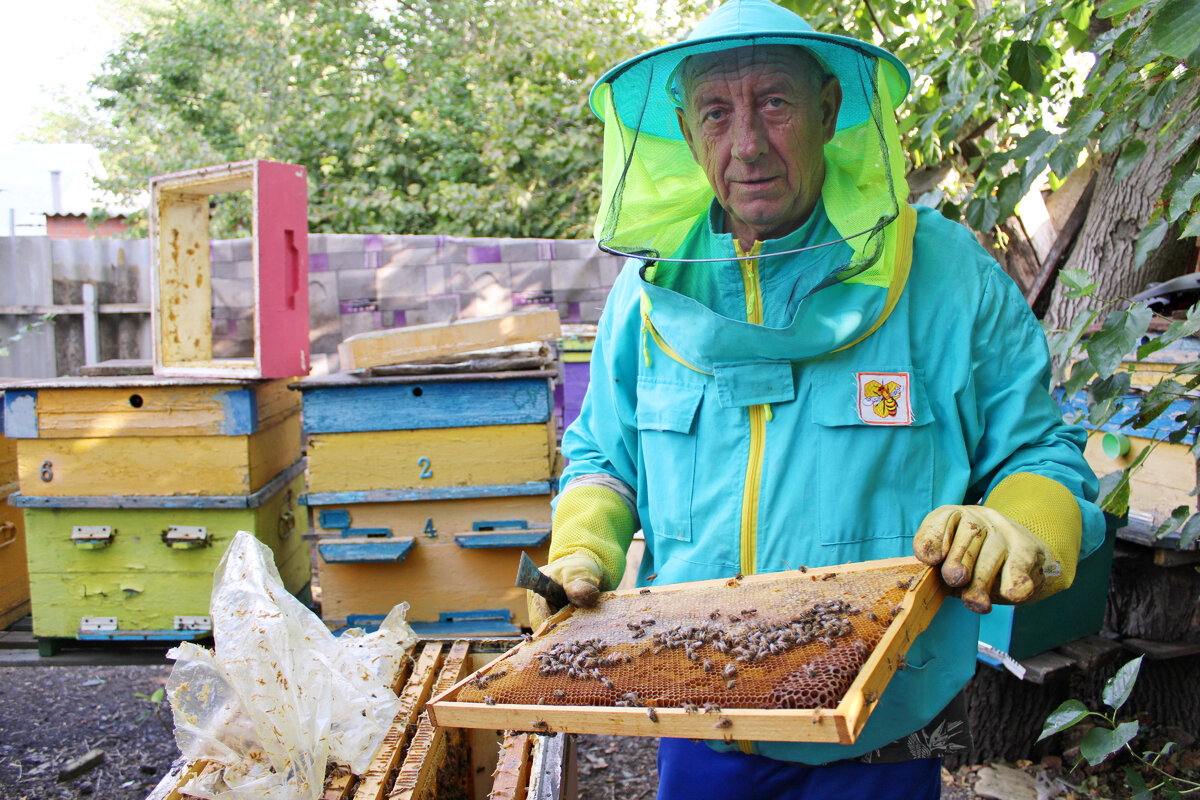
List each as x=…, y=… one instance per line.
x=654, y=192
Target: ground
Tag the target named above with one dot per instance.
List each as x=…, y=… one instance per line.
x=51, y=716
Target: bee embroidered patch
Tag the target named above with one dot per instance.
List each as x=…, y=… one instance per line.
x=883, y=398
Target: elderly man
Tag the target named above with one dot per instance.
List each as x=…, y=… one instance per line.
x=796, y=368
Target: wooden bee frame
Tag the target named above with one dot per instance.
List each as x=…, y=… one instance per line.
x=181, y=270
x=841, y=724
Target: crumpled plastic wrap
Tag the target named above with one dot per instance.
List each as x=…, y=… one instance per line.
x=279, y=696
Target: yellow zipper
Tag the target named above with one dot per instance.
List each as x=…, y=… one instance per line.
x=758, y=423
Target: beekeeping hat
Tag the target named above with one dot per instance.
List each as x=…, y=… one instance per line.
x=653, y=190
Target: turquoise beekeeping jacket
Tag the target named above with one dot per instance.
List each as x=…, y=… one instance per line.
x=754, y=441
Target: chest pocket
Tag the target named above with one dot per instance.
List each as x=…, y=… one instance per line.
x=876, y=445
x=666, y=421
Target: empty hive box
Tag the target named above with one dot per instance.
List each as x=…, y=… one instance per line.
x=797, y=656
x=425, y=488
x=182, y=277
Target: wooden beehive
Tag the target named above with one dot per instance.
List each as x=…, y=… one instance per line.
x=181, y=270
x=147, y=435
x=419, y=760
x=144, y=571
x=425, y=488
x=629, y=673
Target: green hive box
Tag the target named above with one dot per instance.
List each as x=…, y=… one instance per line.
x=146, y=573
x=1024, y=631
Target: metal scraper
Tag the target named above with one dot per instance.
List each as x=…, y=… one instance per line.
x=531, y=578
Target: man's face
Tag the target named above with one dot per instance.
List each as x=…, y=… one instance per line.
x=756, y=120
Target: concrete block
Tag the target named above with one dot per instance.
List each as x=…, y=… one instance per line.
x=232, y=293
x=358, y=259
x=530, y=276
x=574, y=273
x=452, y=250
x=240, y=270
x=324, y=316
x=411, y=257
x=316, y=243
x=356, y=284
x=241, y=249
x=574, y=248
x=415, y=242
x=220, y=251
x=489, y=297
x=520, y=250
x=610, y=268
x=437, y=279
x=439, y=309
x=343, y=243
x=359, y=322
x=465, y=279
x=400, y=285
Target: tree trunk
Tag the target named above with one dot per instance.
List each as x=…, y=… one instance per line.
x=1119, y=212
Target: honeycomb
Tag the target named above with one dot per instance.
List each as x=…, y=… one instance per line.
x=796, y=642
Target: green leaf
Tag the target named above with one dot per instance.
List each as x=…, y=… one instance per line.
x=1156, y=401
x=1118, y=688
x=1152, y=235
x=158, y=695
x=1136, y=784
x=1080, y=282
x=1192, y=228
x=1131, y=155
x=1063, y=717
x=1115, y=8
x=1182, y=199
x=1189, y=532
x=1081, y=373
x=1024, y=67
x=1173, y=522
x=1113, y=496
x=1099, y=743
x=1175, y=28
x=1118, y=337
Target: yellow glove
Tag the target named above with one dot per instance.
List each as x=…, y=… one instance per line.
x=993, y=551
x=580, y=577
x=593, y=527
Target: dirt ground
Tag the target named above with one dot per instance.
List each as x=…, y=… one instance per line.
x=52, y=716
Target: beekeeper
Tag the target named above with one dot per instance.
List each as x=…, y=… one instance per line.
x=796, y=367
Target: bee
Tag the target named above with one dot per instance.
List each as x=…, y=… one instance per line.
x=901, y=662
x=712, y=708
x=691, y=708
x=871, y=615
x=644, y=591
x=802, y=568
x=652, y=714
x=870, y=697
x=714, y=614
x=882, y=397
x=491, y=701
x=648, y=621
x=706, y=665
x=650, y=578
x=723, y=722
x=729, y=684
x=539, y=725
x=749, y=612
x=829, y=576
x=730, y=670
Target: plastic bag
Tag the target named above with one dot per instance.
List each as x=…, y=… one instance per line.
x=279, y=696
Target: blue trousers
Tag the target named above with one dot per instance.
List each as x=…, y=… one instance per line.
x=690, y=770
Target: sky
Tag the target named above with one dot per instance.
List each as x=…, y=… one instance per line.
x=47, y=48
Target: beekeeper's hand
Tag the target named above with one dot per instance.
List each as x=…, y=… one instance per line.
x=994, y=558
x=578, y=574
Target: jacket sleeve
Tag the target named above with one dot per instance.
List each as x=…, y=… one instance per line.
x=597, y=509
x=1019, y=426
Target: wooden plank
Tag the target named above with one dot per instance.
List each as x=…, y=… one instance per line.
x=434, y=494
x=419, y=342
x=1164, y=481
x=522, y=538
x=364, y=550
x=1090, y=652
x=181, y=271
x=512, y=768
x=252, y=500
x=158, y=465
x=392, y=406
x=378, y=777
x=428, y=755
x=842, y=724
x=1039, y=668
x=14, y=566
x=425, y=459
x=1162, y=650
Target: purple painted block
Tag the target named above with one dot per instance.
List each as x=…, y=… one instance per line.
x=355, y=306
x=318, y=262
x=487, y=254
x=373, y=260
x=575, y=382
x=573, y=314
x=373, y=243
x=546, y=249
x=399, y=318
